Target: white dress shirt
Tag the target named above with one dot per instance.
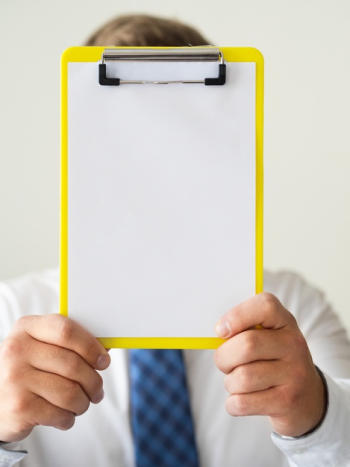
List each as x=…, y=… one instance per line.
x=102, y=436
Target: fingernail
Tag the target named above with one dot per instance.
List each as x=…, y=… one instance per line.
x=99, y=397
x=103, y=362
x=223, y=328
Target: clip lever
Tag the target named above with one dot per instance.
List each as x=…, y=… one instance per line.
x=184, y=54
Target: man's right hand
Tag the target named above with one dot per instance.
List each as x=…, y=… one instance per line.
x=48, y=374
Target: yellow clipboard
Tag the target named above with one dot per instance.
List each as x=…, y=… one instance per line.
x=161, y=191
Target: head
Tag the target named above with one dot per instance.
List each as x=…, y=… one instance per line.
x=145, y=31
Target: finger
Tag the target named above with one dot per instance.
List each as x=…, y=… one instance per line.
x=30, y=410
x=256, y=376
x=250, y=346
x=57, y=360
x=64, y=332
x=268, y=402
x=263, y=309
x=47, y=414
x=60, y=392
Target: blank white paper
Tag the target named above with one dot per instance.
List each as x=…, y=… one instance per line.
x=161, y=196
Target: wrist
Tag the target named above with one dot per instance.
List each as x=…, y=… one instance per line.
x=305, y=424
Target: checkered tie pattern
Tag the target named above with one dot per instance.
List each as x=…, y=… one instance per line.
x=160, y=410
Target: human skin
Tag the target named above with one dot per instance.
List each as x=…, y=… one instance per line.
x=48, y=374
x=268, y=367
x=48, y=371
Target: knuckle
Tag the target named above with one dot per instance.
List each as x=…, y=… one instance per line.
x=10, y=378
x=84, y=406
x=229, y=383
x=72, y=363
x=74, y=399
x=269, y=303
x=21, y=426
x=66, y=421
x=296, y=343
x=300, y=342
x=71, y=393
x=244, y=376
x=12, y=375
x=21, y=323
x=229, y=406
x=248, y=343
x=19, y=404
x=238, y=381
x=92, y=351
x=293, y=320
x=240, y=404
x=11, y=348
x=290, y=396
x=66, y=330
x=97, y=384
x=236, y=405
x=217, y=357
x=289, y=340
x=220, y=360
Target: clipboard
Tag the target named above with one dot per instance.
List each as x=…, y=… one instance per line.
x=161, y=191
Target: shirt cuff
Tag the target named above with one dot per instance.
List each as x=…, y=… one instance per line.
x=9, y=456
x=327, y=445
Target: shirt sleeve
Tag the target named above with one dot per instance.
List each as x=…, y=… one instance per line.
x=9, y=456
x=35, y=293
x=329, y=444
x=32, y=294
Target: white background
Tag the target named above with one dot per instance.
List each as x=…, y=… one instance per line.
x=307, y=124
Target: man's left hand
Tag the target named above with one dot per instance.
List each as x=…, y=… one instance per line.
x=269, y=371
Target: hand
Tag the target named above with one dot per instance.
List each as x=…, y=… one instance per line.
x=269, y=371
x=48, y=374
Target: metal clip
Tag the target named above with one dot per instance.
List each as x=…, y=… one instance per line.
x=185, y=54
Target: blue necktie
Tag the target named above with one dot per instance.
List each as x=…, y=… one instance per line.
x=160, y=410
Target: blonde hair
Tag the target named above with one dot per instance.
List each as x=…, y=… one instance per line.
x=145, y=31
